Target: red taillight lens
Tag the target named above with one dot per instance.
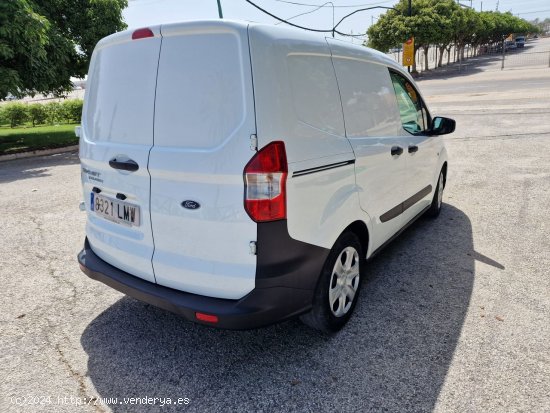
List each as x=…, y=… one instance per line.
x=265, y=183
x=142, y=33
x=208, y=318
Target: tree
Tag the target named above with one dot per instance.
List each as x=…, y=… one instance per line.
x=540, y=26
x=465, y=23
x=425, y=24
x=45, y=42
x=445, y=9
x=443, y=23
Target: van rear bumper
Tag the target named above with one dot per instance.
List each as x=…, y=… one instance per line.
x=261, y=307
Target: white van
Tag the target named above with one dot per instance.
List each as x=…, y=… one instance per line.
x=241, y=174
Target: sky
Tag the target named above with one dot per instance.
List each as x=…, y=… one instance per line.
x=140, y=13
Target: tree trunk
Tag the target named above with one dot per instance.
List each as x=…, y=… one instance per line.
x=415, y=58
x=426, y=48
x=440, y=61
x=449, y=54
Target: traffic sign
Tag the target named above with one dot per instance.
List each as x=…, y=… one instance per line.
x=408, y=52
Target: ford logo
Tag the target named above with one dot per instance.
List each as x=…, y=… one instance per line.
x=190, y=204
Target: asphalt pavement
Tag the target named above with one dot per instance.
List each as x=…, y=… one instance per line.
x=454, y=316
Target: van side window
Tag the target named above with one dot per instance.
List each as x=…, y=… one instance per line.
x=367, y=98
x=413, y=115
x=315, y=92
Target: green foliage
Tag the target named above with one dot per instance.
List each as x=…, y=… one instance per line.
x=539, y=26
x=15, y=113
x=71, y=110
x=54, y=113
x=45, y=42
x=429, y=24
x=37, y=113
x=442, y=22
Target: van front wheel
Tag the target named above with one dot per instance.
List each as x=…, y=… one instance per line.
x=338, y=287
x=437, y=201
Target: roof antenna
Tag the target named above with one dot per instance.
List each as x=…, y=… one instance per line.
x=220, y=13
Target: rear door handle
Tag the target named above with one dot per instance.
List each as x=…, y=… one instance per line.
x=413, y=148
x=128, y=165
x=396, y=150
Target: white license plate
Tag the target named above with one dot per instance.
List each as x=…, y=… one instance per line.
x=115, y=210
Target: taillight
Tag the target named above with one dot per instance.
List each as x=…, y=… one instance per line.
x=142, y=33
x=265, y=183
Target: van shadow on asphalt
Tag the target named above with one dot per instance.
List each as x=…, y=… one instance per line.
x=392, y=356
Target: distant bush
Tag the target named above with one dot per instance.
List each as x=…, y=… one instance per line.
x=53, y=112
x=15, y=114
x=72, y=110
x=37, y=114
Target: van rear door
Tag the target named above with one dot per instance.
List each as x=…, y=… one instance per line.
x=204, y=118
x=116, y=137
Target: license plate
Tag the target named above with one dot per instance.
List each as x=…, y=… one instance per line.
x=115, y=210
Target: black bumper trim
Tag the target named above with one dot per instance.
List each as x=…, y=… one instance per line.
x=261, y=307
x=283, y=261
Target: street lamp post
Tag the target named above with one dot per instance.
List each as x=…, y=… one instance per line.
x=410, y=14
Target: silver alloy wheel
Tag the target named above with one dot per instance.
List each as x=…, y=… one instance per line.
x=440, y=190
x=344, y=281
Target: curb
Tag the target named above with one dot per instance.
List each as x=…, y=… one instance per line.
x=30, y=154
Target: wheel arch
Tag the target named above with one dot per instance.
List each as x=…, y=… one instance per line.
x=444, y=170
x=360, y=229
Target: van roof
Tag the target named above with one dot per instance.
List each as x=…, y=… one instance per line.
x=289, y=33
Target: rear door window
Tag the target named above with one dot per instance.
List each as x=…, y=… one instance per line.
x=414, y=116
x=200, y=99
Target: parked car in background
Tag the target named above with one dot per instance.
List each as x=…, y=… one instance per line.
x=509, y=45
x=520, y=41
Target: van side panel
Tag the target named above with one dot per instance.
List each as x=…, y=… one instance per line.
x=204, y=117
x=297, y=101
x=373, y=126
x=117, y=122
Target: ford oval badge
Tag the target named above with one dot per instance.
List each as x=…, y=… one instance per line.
x=190, y=204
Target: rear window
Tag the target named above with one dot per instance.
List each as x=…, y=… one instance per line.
x=200, y=98
x=120, y=94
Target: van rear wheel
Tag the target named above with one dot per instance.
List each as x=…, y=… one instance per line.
x=338, y=288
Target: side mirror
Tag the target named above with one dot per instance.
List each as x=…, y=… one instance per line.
x=442, y=126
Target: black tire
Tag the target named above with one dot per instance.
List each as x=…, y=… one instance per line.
x=322, y=317
x=435, y=207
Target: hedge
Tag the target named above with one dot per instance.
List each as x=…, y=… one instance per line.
x=17, y=114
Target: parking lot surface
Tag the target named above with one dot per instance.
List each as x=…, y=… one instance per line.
x=454, y=315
